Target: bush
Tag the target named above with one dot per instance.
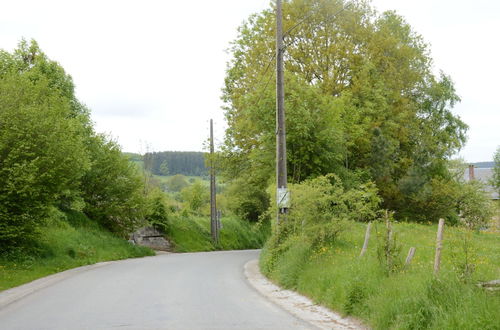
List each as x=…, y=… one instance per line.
x=157, y=211
x=112, y=189
x=42, y=154
x=474, y=205
x=247, y=200
x=196, y=198
x=321, y=208
x=177, y=182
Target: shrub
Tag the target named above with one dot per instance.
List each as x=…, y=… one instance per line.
x=474, y=205
x=42, y=154
x=322, y=207
x=248, y=200
x=196, y=197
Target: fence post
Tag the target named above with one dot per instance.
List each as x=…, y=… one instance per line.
x=367, y=237
x=411, y=253
x=439, y=246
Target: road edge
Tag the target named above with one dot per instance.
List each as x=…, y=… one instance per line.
x=296, y=304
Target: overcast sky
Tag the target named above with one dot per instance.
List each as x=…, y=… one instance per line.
x=152, y=70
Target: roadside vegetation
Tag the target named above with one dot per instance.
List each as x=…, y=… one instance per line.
x=192, y=234
x=334, y=275
x=68, y=240
x=370, y=136
x=70, y=197
x=316, y=251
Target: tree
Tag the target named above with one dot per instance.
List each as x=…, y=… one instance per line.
x=196, y=197
x=496, y=171
x=177, y=183
x=50, y=155
x=360, y=95
x=164, y=168
x=112, y=189
x=42, y=145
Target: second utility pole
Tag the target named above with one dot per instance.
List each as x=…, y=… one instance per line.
x=282, y=195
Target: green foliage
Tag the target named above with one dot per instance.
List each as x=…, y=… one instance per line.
x=360, y=96
x=322, y=207
x=247, y=199
x=176, y=183
x=157, y=211
x=164, y=168
x=50, y=155
x=464, y=255
x=474, y=204
x=388, y=247
x=175, y=162
x=191, y=234
x=42, y=151
x=112, y=188
x=69, y=240
x=496, y=171
x=197, y=198
x=413, y=298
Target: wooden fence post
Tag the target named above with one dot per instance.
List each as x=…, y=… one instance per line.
x=439, y=246
x=367, y=238
x=411, y=253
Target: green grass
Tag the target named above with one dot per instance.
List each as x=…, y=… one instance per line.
x=334, y=275
x=192, y=234
x=65, y=244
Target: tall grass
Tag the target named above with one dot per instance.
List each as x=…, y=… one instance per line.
x=69, y=240
x=412, y=298
x=192, y=234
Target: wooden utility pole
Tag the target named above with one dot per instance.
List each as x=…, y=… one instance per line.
x=214, y=230
x=282, y=195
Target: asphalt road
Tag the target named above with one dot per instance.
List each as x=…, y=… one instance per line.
x=172, y=291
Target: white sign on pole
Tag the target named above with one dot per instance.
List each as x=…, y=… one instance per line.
x=283, y=198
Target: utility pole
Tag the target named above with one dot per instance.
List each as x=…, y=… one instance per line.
x=214, y=228
x=282, y=195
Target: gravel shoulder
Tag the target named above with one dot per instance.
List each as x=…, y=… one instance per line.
x=296, y=304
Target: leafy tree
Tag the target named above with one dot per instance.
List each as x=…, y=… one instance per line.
x=496, y=171
x=360, y=95
x=157, y=213
x=177, y=182
x=51, y=157
x=164, y=168
x=112, y=188
x=247, y=199
x=196, y=197
x=42, y=152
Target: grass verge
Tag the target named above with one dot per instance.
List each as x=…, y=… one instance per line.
x=70, y=240
x=335, y=276
x=192, y=234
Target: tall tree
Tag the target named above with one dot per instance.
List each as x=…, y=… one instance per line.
x=350, y=72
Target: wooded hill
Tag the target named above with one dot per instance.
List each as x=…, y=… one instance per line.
x=189, y=163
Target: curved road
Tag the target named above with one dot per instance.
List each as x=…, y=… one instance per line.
x=170, y=291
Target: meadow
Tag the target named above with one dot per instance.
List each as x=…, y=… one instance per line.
x=398, y=297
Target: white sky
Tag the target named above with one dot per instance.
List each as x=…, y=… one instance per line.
x=152, y=70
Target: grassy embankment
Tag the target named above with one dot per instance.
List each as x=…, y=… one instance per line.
x=412, y=298
x=193, y=234
x=76, y=241
x=68, y=241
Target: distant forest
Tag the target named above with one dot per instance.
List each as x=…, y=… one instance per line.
x=176, y=162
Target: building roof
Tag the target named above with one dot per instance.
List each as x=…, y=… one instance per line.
x=484, y=175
